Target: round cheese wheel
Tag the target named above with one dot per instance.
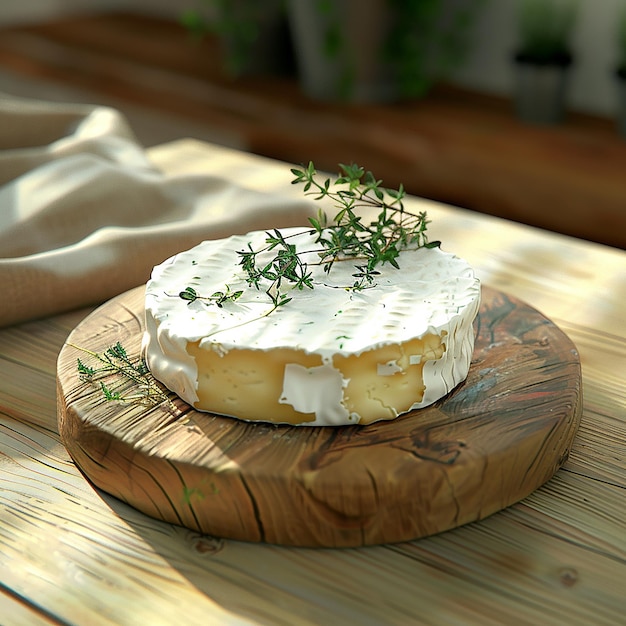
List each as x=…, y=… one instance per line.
x=331, y=355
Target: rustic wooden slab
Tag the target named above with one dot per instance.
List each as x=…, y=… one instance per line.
x=491, y=442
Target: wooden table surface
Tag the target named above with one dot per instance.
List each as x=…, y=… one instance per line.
x=70, y=554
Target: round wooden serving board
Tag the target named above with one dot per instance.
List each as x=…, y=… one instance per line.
x=492, y=441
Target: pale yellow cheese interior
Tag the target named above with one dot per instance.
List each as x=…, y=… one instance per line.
x=375, y=397
x=249, y=383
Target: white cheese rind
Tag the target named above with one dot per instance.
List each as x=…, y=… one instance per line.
x=317, y=390
x=434, y=293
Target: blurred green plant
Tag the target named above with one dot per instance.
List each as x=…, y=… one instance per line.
x=424, y=41
x=238, y=23
x=428, y=39
x=545, y=28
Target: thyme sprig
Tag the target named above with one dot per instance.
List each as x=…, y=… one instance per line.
x=115, y=363
x=287, y=265
x=345, y=236
x=218, y=297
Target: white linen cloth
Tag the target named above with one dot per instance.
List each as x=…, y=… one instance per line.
x=84, y=215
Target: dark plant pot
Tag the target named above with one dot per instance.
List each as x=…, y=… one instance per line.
x=255, y=39
x=541, y=89
x=620, y=83
x=270, y=54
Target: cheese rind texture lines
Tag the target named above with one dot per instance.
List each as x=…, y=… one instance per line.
x=330, y=356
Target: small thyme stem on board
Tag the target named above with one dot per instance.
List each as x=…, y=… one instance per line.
x=344, y=237
x=115, y=362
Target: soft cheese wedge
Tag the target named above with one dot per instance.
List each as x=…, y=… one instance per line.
x=330, y=356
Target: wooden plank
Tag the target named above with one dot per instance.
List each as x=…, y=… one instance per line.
x=16, y=612
x=28, y=368
x=147, y=40
x=53, y=524
x=544, y=566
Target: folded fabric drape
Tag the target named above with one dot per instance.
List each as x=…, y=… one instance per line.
x=85, y=216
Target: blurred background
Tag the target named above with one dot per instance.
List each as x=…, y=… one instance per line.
x=508, y=107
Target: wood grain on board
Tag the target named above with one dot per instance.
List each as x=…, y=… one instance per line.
x=490, y=443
